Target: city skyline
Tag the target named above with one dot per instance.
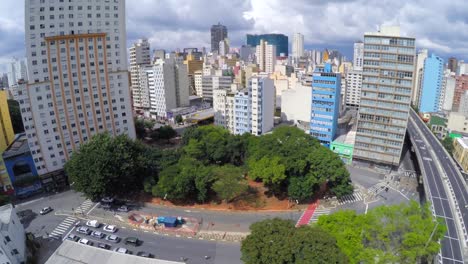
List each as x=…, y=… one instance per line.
x=438, y=27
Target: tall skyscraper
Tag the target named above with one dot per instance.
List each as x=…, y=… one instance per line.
x=358, y=56
x=139, y=55
x=298, y=45
x=279, y=40
x=266, y=58
x=452, y=64
x=418, y=76
x=326, y=87
x=78, y=85
x=17, y=71
x=218, y=33
x=432, y=85
x=385, y=96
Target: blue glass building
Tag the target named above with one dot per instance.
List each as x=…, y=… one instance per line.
x=326, y=86
x=432, y=84
x=279, y=40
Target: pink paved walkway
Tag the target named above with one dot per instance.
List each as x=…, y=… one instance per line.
x=307, y=215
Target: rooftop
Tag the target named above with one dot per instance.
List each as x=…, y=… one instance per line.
x=463, y=142
x=74, y=253
x=18, y=147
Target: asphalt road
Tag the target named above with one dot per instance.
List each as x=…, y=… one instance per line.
x=170, y=248
x=451, y=251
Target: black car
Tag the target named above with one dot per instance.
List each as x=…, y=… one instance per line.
x=132, y=241
x=104, y=246
x=144, y=254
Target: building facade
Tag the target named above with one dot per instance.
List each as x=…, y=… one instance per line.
x=213, y=82
x=418, y=76
x=461, y=85
x=460, y=152
x=139, y=55
x=358, y=56
x=17, y=70
x=452, y=64
x=13, y=248
x=298, y=45
x=385, y=96
x=6, y=128
x=449, y=90
x=280, y=41
x=326, y=86
x=266, y=58
x=218, y=33
x=353, y=91
x=79, y=82
x=432, y=85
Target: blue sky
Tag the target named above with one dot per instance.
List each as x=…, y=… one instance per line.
x=440, y=26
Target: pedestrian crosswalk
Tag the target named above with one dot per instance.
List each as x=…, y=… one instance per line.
x=63, y=227
x=84, y=207
x=377, y=188
x=410, y=174
x=318, y=213
x=351, y=198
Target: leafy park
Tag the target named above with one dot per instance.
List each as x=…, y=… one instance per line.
x=210, y=165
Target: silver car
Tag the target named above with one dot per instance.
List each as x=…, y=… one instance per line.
x=113, y=238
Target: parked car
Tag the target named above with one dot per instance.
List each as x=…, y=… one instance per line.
x=46, y=210
x=106, y=206
x=104, y=246
x=73, y=237
x=123, y=208
x=122, y=250
x=85, y=241
x=132, y=241
x=113, y=238
x=98, y=234
x=145, y=254
x=93, y=223
x=107, y=200
x=83, y=230
x=110, y=228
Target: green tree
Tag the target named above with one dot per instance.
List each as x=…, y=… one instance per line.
x=277, y=241
x=448, y=144
x=15, y=115
x=179, y=119
x=108, y=166
x=166, y=132
x=140, y=128
x=230, y=182
x=269, y=170
x=405, y=233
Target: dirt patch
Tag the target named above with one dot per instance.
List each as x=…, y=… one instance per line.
x=256, y=199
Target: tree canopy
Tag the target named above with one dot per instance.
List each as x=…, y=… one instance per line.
x=278, y=241
x=108, y=166
x=386, y=234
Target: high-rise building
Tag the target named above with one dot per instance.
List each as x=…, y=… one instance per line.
x=452, y=64
x=462, y=68
x=387, y=81
x=278, y=40
x=358, y=55
x=224, y=47
x=6, y=128
x=266, y=58
x=326, y=86
x=168, y=85
x=13, y=234
x=353, y=91
x=246, y=52
x=418, y=76
x=79, y=82
x=17, y=70
x=213, y=82
x=218, y=33
x=449, y=90
x=461, y=85
x=247, y=111
x=139, y=55
x=431, y=91
x=298, y=45
x=4, y=81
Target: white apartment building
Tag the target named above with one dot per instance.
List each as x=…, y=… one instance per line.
x=168, y=85
x=17, y=70
x=266, y=57
x=298, y=45
x=78, y=84
x=358, y=56
x=353, y=92
x=449, y=90
x=13, y=248
x=247, y=111
x=213, y=82
x=418, y=72
x=296, y=104
x=198, y=80
x=139, y=55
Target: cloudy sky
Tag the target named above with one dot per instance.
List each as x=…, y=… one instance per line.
x=440, y=26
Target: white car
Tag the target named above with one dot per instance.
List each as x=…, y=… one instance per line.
x=93, y=223
x=85, y=241
x=121, y=250
x=110, y=228
x=113, y=238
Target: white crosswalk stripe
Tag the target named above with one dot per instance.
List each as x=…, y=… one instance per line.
x=63, y=227
x=351, y=198
x=377, y=188
x=318, y=213
x=84, y=207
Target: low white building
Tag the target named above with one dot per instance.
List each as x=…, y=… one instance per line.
x=296, y=104
x=12, y=237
